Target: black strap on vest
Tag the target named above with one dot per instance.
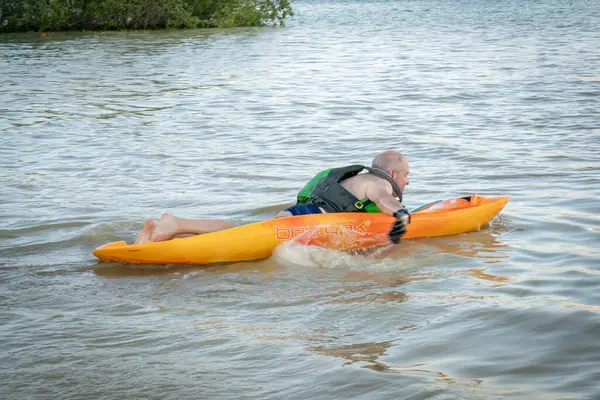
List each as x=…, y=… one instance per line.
x=332, y=197
x=384, y=175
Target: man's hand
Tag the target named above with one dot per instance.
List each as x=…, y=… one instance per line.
x=399, y=228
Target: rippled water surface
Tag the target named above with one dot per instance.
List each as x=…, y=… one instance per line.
x=99, y=131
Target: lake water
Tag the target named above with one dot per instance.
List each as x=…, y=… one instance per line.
x=99, y=131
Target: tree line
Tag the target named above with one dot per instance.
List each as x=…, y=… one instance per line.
x=62, y=15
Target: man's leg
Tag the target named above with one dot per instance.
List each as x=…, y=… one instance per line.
x=169, y=226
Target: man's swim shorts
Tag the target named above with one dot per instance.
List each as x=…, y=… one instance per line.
x=303, y=209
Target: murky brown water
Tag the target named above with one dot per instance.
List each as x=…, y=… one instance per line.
x=99, y=131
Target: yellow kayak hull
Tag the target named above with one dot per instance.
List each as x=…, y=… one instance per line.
x=257, y=240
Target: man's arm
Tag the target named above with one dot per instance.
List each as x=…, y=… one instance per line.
x=380, y=194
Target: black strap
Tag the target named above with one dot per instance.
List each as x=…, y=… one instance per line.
x=384, y=175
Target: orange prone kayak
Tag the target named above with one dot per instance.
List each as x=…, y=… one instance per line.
x=342, y=231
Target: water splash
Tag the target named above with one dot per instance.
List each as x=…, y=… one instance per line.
x=334, y=246
x=341, y=237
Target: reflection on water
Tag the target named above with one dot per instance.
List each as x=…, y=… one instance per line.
x=586, y=307
x=482, y=245
x=119, y=270
x=421, y=370
x=370, y=353
x=122, y=270
x=479, y=274
x=367, y=352
x=386, y=297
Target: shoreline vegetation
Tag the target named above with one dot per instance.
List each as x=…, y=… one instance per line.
x=73, y=15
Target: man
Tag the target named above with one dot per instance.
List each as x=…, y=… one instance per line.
x=333, y=190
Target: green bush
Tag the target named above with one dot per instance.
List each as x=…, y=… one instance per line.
x=59, y=15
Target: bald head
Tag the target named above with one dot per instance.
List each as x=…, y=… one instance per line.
x=389, y=160
x=395, y=164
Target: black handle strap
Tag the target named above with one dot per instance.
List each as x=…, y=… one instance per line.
x=384, y=175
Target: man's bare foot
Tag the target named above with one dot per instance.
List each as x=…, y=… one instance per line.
x=147, y=229
x=165, y=229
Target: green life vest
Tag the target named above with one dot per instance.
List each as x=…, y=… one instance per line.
x=325, y=191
